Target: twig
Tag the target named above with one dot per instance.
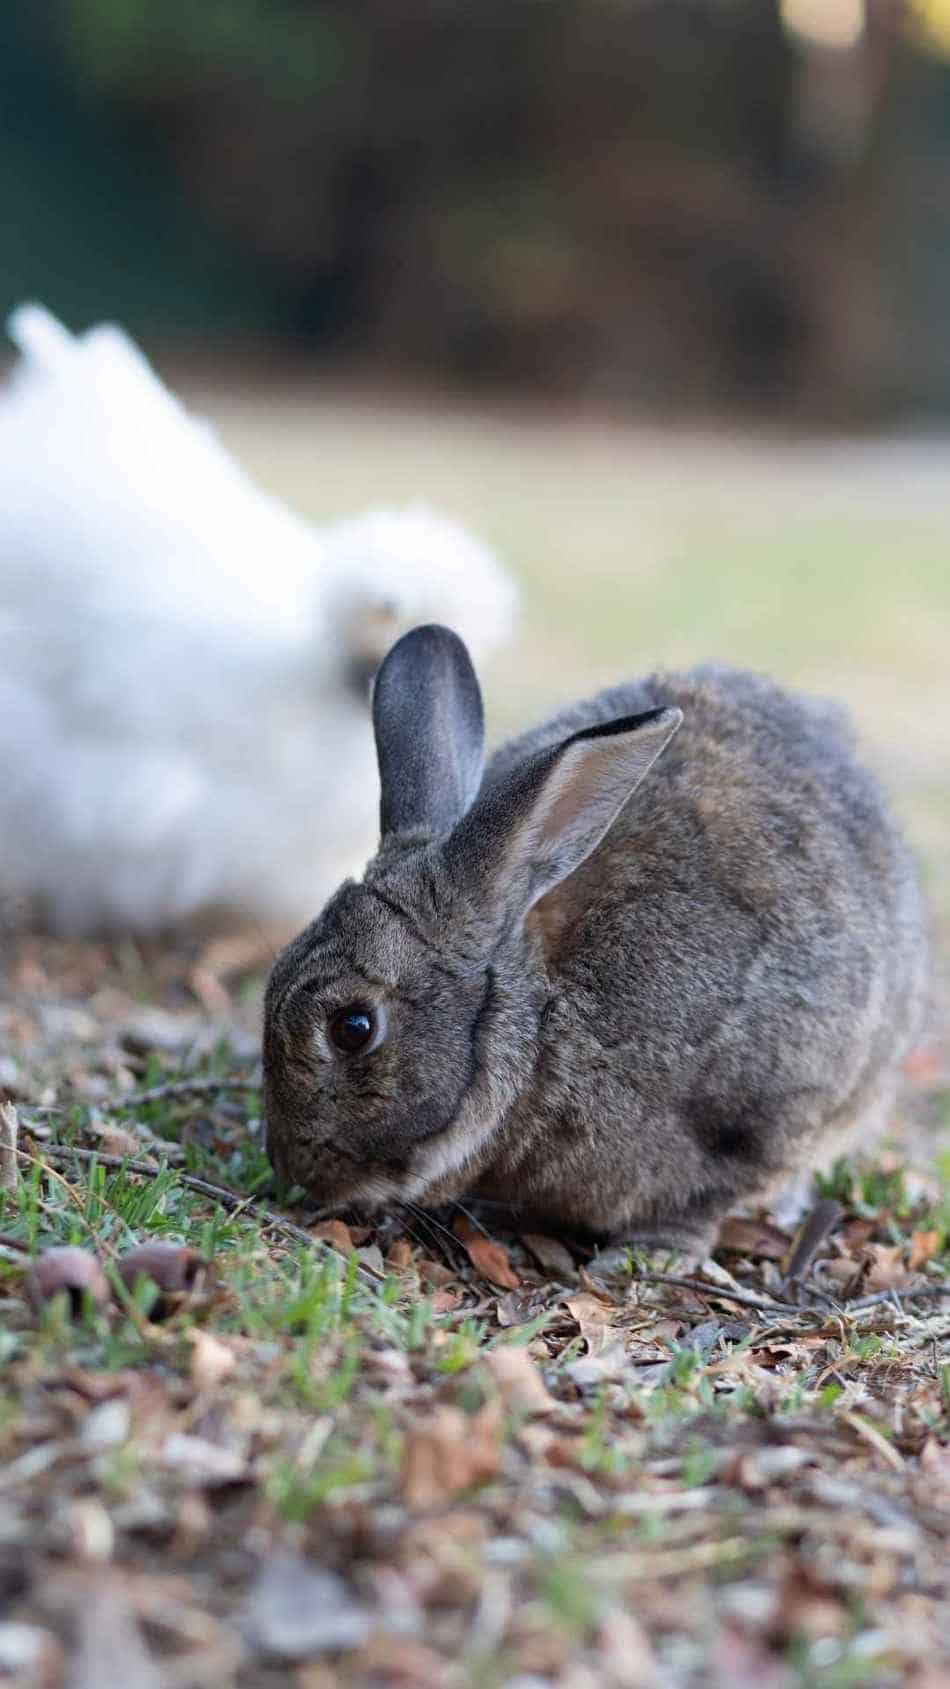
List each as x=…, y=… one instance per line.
x=896, y=1297
x=719, y=1292
x=231, y=1200
x=930, y=1334
x=9, y=1127
x=178, y=1088
x=155, y=1094
x=768, y=1305
x=811, y=1235
x=875, y=1440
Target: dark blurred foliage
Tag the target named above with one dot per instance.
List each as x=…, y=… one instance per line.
x=671, y=201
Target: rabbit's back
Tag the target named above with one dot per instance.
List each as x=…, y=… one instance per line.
x=739, y=967
x=760, y=799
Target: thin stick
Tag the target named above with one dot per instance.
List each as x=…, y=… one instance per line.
x=177, y=1088
x=231, y=1200
x=9, y=1127
x=811, y=1235
x=895, y=1297
x=749, y=1300
x=718, y=1292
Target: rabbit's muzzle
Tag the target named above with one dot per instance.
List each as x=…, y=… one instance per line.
x=332, y=1178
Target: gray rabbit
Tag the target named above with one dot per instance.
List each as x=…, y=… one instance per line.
x=665, y=954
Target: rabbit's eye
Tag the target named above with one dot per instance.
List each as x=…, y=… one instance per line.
x=353, y=1028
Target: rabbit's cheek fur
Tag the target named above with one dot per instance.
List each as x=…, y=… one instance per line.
x=416, y=1111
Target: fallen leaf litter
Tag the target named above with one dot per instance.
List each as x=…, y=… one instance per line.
x=519, y=1460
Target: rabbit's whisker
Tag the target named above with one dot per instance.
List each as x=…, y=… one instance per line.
x=434, y=1226
x=467, y=1212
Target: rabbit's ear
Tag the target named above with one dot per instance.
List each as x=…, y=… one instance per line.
x=533, y=828
x=430, y=733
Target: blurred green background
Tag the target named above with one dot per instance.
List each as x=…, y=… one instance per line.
x=676, y=204
x=653, y=292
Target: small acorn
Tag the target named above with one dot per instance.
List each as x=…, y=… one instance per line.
x=69, y=1269
x=172, y=1267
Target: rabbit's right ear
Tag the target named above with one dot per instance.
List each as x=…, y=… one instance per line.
x=430, y=733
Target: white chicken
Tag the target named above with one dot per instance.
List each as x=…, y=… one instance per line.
x=184, y=663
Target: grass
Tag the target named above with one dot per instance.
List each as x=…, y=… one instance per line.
x=591, y=1479
x=327, y=1408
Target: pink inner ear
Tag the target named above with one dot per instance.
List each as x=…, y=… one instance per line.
x=591, y=780
x=585, y=791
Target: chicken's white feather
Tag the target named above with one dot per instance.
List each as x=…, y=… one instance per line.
x=183, y=710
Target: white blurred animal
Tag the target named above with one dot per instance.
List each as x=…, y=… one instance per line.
x=184, y=663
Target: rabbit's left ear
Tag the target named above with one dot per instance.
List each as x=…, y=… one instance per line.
x=536, y=825
x=430, y=733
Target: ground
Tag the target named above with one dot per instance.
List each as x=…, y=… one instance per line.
x=418, y=1454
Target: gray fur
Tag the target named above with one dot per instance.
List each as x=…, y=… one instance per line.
x=620, y=1032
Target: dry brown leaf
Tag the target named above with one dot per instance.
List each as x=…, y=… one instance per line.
x=201, y=1462
x=335, y=1232
x=595, y=1319
x=100, y=1386
x=211, y=1361
x=551, y=1254
x=110, y=1648
x=399, y=1255
x=935, y=1463
x=518, y=1381
x=118, y=1140
x=446, y=1301
x=758, y=1238
x=923, y=1247
x=517, y=1307
x=87, y=1525
x=608, y=1366
x=449, y=1453
x=401, y=1662
x=626, y=1653
x=745, y=1661
x=317, y=1677
x=886, y=1270
x=854, y=1234
x=809, y=1609
x=664, y=1331
x=492, y=1261
x=194, y=1523
x=297, y=1609
x=487, y=1257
